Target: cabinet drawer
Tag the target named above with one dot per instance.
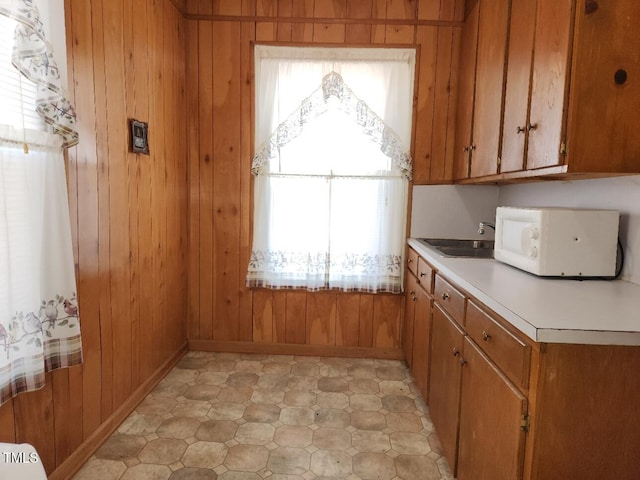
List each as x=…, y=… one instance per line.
x=450, y=298
x=512, y=355
x=425, y=275
x=412, y=261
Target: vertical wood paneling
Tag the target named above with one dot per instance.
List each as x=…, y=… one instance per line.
x=147, y=285
x=321, y=319
x=387, y=313
x=226, y=180
x=348, y=320
x=302, y=32
x=205, y=101
x=34, y=419
x=193, y=119
x=83, y=161
x=118, y=199
x=7, y=425
x=246, y=153
x=441, y=168
x=296, y=317
x=103, y=207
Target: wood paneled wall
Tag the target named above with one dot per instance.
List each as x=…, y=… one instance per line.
x=223, y=314
x=130, y=227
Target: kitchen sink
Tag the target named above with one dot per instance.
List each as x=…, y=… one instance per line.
x=455, y=247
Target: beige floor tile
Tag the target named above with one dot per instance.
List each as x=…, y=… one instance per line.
x=232, y=416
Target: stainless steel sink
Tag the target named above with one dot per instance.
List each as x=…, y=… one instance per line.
x=454, y=247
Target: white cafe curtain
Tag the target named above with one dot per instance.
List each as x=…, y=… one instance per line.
x=39, y=322
x=332, y=166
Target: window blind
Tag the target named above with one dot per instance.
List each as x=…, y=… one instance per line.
x=17, y=93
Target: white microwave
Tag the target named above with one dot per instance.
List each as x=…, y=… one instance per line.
x=558, y=242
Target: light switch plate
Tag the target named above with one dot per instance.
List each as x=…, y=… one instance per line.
x=139, y=136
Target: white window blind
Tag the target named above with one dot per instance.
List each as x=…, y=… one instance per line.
x=17, y=93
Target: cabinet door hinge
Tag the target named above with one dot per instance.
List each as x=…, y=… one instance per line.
x=563, y=148
x=524, y=423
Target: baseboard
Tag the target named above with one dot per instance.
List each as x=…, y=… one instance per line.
x=296, y=349
x=80, y=456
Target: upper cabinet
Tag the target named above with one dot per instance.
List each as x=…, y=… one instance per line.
x=481, y=88
x=562, y=103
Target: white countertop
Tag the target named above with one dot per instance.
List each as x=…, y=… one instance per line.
x=547, y=310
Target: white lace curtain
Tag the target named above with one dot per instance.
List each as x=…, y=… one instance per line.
x=332, y=166
x=39, y=323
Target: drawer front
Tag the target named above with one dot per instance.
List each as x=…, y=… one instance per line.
x=425, y=275
x=511, y=354
x=412, y=261
x=450, y=298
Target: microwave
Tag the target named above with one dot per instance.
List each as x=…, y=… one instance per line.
x=558, y=242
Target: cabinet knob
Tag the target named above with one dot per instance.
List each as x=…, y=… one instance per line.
x=532, y=126
x=445, y=296
x=413, y=296
x=472, y=147
x=466, y=148
x=455, y=352
x=410, y=260
x=486, y=335
x=463, y=362
x=520, y=130
x=422, y=274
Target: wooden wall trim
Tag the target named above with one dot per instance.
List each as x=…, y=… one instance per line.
x=79, y=457
x=325, y=20
x=295, y=349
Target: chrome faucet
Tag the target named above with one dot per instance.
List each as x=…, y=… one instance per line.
x=483, y=225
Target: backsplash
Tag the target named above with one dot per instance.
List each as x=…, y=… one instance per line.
x=455, y=210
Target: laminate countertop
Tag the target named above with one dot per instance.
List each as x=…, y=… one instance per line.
x=592, y=312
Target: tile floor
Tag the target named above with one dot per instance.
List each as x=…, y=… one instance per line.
x=250, y=417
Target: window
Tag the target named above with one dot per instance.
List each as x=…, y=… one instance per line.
x=39, y=320
x=333, y=127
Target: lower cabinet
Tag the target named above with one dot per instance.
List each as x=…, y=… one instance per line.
x=422, y=342
x=493, y=420
x=444, y=392
x=508, y=408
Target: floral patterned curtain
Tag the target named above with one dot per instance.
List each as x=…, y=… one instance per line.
x=39, y=322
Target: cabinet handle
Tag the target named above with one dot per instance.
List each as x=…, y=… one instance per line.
x=445, y=296
x=532, y=126
x=486, y=335
x=520, y=130
x=455, y=352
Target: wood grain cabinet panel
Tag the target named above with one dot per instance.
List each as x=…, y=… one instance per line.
x=422, y=342
x=477, y=149
x=444, y=388
x=511, y=354
x=568, y=98
x=491, y=411
x=450, y=298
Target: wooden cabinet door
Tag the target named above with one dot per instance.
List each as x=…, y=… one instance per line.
x=422, y=342
x=491, y=411
x=490, y=74
x=466, y=86
x=444, y=383
x=516, y=104
x=410, y=298
x=552, y=47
